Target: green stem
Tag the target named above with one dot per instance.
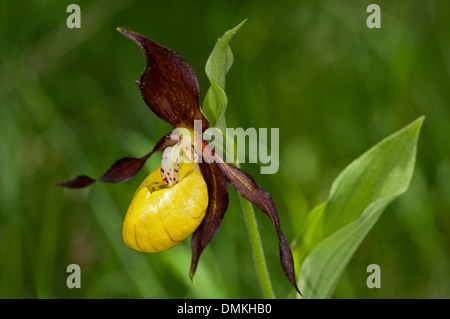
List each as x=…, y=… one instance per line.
x=258, y=252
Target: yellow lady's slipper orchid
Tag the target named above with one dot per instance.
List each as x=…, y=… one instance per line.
x=179, y=198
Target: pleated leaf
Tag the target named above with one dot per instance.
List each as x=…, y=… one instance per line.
x=217, y=66
x=356, y=201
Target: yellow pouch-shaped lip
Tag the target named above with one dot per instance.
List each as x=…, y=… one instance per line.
x=160, y=217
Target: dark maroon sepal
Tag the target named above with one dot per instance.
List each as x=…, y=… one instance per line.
x=168, y=85
x=217, y=206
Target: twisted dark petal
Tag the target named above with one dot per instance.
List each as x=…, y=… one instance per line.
x=217, y=206
x=123, y=169
x=168, y=85
x=78, y=182
x=246, y=186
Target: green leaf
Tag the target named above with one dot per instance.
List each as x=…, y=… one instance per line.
x=217, y=66
x=357, y=199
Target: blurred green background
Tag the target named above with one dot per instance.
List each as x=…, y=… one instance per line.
x=69, y=105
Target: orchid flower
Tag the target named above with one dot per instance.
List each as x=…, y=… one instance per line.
x=188, y=194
